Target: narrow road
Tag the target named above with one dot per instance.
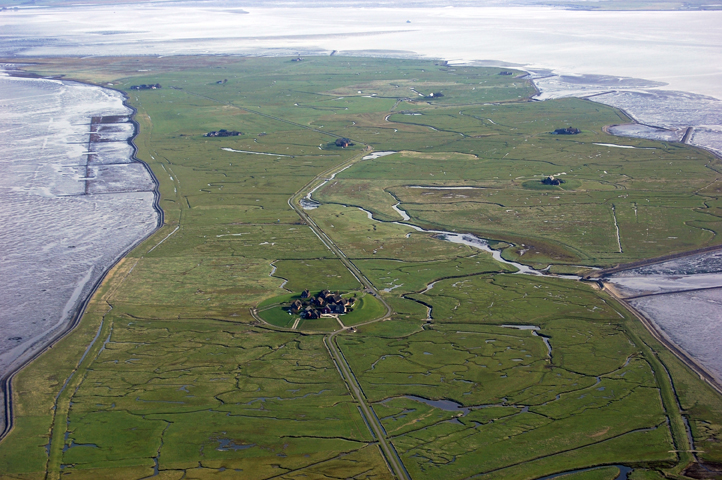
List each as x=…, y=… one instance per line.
x=294, y=203
x=387, y=448
x=392, y=457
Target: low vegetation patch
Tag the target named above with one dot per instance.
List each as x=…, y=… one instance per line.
x=198, y=359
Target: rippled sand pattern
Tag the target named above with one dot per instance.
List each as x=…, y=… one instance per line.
x=693, y=320
x=66, y=214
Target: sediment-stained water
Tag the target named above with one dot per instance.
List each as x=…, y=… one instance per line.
x=72, y=200
x=69, y=210
x=692, y=320
x=683, y=297
x=661, y=114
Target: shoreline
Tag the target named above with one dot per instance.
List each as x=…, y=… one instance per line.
x=659, y=335
x=7, y=379
x=7, y=422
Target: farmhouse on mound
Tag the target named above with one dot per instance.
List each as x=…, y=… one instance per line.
x=223, y=133
x=154, y=86
x=337, y=308
x=550, y=180
x=324, y=303
x=296, y=306
x=311, y=313
x=566, y=131
x=343, y=142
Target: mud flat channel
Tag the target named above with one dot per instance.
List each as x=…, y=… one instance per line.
x=74, y=201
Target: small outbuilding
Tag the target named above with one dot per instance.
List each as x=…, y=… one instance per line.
x=337, y=308
x=296, y=306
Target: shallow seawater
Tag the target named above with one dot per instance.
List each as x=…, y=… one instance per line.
x=678, y=48
x=661, y=114
x=67, y=213
x=683, y=297
x=692, y=320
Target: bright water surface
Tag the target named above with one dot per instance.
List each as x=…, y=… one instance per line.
x=605, y=54
x=683, y=297
x=681, y=49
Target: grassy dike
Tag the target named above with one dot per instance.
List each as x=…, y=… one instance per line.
x=170, y=375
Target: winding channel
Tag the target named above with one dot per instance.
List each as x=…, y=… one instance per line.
x=471, y=240
x=301, y=202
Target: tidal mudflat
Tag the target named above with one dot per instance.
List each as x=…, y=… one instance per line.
x=186, y=365
x=659, y=114
x=193, y=372
x=73, y=201
x=683, y=297
x=680, y=49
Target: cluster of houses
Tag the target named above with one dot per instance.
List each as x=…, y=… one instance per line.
x=325, y=303
x=566, y=131
x=223, y=133
x=551, y=180
x=154, y=86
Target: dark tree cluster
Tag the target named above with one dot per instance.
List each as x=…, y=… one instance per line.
x=566, y=131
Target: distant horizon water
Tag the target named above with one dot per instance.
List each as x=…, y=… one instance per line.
x=682, y=49
x=663, y=68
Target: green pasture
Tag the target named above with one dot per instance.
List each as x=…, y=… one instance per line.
x=524, y=402
x=365, y=308
x=169, y=373
x=658, y=194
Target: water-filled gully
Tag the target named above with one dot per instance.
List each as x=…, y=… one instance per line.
x=475, y=242
x=308, y=203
